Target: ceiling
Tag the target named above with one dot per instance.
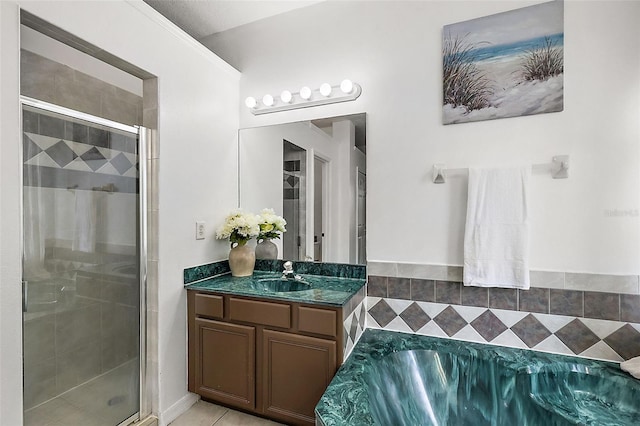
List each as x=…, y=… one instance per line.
x=201, y=18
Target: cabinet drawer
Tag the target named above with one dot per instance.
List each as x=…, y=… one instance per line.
x=208, y=305
x=266, y=313
x=319, y=321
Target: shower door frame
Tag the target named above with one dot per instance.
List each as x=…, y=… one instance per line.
x=143, y=141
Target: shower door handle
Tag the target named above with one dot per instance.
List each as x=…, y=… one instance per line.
x=25, y=288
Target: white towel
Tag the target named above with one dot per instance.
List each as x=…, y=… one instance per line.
x=84, y=233
x=632, y=366
x=496, y=238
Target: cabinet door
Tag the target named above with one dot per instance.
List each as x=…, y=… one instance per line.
x=296, y=372
x=225, y=365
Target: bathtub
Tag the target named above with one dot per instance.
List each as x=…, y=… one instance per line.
x=398, y=379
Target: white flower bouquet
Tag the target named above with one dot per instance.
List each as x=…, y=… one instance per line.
x=271, y=225
x=239, y=227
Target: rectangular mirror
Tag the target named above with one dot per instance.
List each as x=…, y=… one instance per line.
x=312, y=173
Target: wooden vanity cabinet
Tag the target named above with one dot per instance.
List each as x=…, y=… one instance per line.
x=271, y=358
x=296, y=371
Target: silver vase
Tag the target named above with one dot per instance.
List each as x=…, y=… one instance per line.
x=265, y=249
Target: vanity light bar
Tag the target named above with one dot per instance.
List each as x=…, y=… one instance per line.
x=305, y=97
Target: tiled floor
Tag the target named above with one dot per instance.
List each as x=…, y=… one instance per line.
x=206, y=414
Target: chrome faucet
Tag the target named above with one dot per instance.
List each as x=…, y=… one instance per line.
x=288, y=270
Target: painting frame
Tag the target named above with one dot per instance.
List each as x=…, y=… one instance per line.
x=509, y=64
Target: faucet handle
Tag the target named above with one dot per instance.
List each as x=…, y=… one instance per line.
x=288, y=266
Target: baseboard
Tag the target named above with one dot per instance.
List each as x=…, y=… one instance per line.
x=181, y=406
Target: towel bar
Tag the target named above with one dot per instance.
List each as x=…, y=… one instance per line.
x=559, y=168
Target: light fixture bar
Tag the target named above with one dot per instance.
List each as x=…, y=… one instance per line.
x=317, y=97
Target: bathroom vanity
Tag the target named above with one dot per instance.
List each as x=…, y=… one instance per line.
x=266, y=345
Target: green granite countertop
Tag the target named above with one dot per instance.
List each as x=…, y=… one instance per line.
x=322, y=289
x=394, y=378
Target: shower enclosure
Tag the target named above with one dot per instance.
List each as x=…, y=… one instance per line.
x=294, y=184
x=83, y=267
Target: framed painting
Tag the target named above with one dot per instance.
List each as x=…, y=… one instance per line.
x=505, y=65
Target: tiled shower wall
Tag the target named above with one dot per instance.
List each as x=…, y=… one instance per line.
x=590, y=315
x=50, y=81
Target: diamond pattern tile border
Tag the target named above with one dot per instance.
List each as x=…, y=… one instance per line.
x=530, y=330
x=572, y=334
x=61, y=153
x=625, y=341
x=382, y=313
x=577, y=336
x=488, y=325
x=415, y=317
x=450, y=321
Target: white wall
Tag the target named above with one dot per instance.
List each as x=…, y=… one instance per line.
x=198, y=122
x=10, y=269
x=393, y=50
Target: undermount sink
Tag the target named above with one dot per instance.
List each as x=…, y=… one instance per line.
x=281, y=285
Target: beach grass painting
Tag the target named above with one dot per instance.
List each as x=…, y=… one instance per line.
x=505, y=65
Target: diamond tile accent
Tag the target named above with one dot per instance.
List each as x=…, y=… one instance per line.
x=625, y=341
x=362, y=316
x=415, y=317
x=61, y=153
x=292, y=181
x=30, y=148
x=94, y=158
x=121, y=163
x=354, y=328
x=488, y=325
x=450, y=321
x=577, y=336
x=382, y=313
x=530, y=330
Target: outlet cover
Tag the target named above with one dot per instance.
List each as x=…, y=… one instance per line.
x=200, y=229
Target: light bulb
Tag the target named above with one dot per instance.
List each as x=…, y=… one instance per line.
x=346, y=86
x=286, y=96
x=325, y=90
x=267, y=100
x=251, y=102
x=305, y=93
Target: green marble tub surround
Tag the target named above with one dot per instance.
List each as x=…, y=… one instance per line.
x=383, y=382
x=317, y=289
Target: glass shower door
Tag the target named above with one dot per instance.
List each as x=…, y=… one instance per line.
x=294, y=201
x=81, y=268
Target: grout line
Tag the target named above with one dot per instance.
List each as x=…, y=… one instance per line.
x=226, y=410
